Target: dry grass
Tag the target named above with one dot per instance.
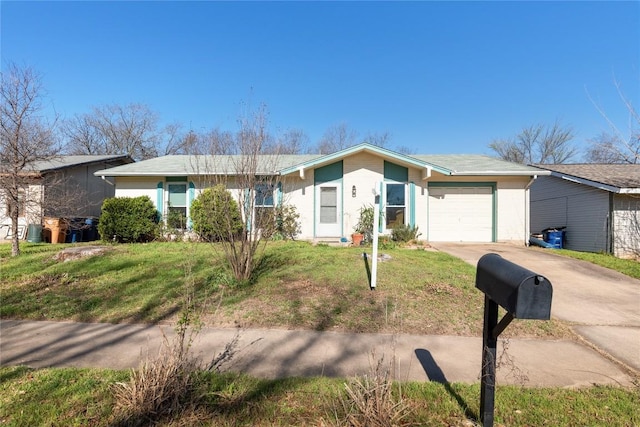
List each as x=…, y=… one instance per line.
x=370, y=400
x=161, y=386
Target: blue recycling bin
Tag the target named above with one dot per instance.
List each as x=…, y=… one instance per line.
x=555, y=237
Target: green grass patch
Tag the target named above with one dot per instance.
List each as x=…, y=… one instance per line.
x=628, y=267
x=296, y=286
x=79, y=397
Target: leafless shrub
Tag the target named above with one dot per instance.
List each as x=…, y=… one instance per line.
x=168, y=385
x=369, y=400
x=159, y=387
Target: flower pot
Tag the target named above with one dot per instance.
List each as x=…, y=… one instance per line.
x=357, y=238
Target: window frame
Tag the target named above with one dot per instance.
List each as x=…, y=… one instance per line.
x=387, y=206
x=169, y=208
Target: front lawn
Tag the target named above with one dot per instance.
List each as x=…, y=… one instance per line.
x=74, y=397
x=297, y=285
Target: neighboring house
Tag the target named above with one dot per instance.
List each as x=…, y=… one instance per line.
x=599, y=204
x=468, y=198
x=63, y=186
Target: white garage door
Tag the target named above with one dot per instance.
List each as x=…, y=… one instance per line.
x=460, y=214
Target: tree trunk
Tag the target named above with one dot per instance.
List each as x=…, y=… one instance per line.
x=15, y=244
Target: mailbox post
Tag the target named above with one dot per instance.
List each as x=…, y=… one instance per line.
x=524, y=295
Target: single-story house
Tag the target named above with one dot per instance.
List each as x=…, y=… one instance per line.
x=599, y=204
x=461, y=198
x=62, y=186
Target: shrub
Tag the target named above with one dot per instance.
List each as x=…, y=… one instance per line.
x=215, y=214
x=126, y=219
x=287, y=225
x=404, y=233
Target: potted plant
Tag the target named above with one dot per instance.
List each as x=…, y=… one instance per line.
x=363, y=230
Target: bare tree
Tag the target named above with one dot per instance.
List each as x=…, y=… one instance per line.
x=336, y=138
x=292, y=141
x=620, y=145
x=250, y=174
x=537, y=144
x=26, y=137
x=380, y=139
x=115, y=129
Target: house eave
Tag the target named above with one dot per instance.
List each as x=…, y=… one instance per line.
x=500, y=173
x=595, y=184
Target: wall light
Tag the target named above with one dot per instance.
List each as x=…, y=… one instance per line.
x=353, y=191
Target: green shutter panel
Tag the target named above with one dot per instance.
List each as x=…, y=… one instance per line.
x=191, y=196
x=159, y=197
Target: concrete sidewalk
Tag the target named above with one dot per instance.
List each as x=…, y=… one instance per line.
x=283, y=353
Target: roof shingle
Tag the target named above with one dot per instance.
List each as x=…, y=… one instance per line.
x=615, y=175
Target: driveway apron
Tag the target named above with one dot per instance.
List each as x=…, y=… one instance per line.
x=601, y=305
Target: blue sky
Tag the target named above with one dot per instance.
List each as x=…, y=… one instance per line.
x=439, y=77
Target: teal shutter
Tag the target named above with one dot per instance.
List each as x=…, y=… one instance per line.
x=191, y=196
x=280, y=195
x=159, y=198
x=412, y=204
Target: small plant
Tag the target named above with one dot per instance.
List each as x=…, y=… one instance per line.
x=364, y=225
x=404, y=233
x=176, y=220
x=287, y=225
x=386, y=243
x=370, y=400
x=126, y=219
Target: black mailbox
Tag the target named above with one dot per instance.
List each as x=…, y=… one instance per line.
x=523, y=293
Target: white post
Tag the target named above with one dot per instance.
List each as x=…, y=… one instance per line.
x=376, y=227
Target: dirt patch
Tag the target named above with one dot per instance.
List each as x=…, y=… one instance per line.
x=71, y=254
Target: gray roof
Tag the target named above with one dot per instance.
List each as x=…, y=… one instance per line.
x=623, y=176
x=181, y=165
x=476, y=164
x=62, y=162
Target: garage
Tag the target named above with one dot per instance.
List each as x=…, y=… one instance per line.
x=461, y=214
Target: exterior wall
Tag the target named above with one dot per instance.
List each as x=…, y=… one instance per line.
x=138, y=186
x=626, y=225
x=364, y=171
x=583, y=210
x=512, y=210
x=76, y=192
x=300, y=193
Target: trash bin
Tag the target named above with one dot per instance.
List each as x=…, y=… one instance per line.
x=90, y=231
x=34, y=233
x=74, y=234
x=57, y=228
x=554, y=236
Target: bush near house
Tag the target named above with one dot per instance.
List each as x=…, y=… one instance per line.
x=126, y=219
x=215, y=214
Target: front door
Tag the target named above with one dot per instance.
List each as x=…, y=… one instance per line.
x=328, y=210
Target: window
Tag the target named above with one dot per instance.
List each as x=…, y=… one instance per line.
x=328, y=205
x=395, y=212
x=263, y=206
x=177, y=205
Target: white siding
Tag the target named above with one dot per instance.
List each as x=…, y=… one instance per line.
x=583, y=210
x=626, y=225
x=365, y=171
x=512, y=210
x=299, y=193
x=137, y=186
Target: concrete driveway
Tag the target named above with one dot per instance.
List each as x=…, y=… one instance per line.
x=601, y=305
